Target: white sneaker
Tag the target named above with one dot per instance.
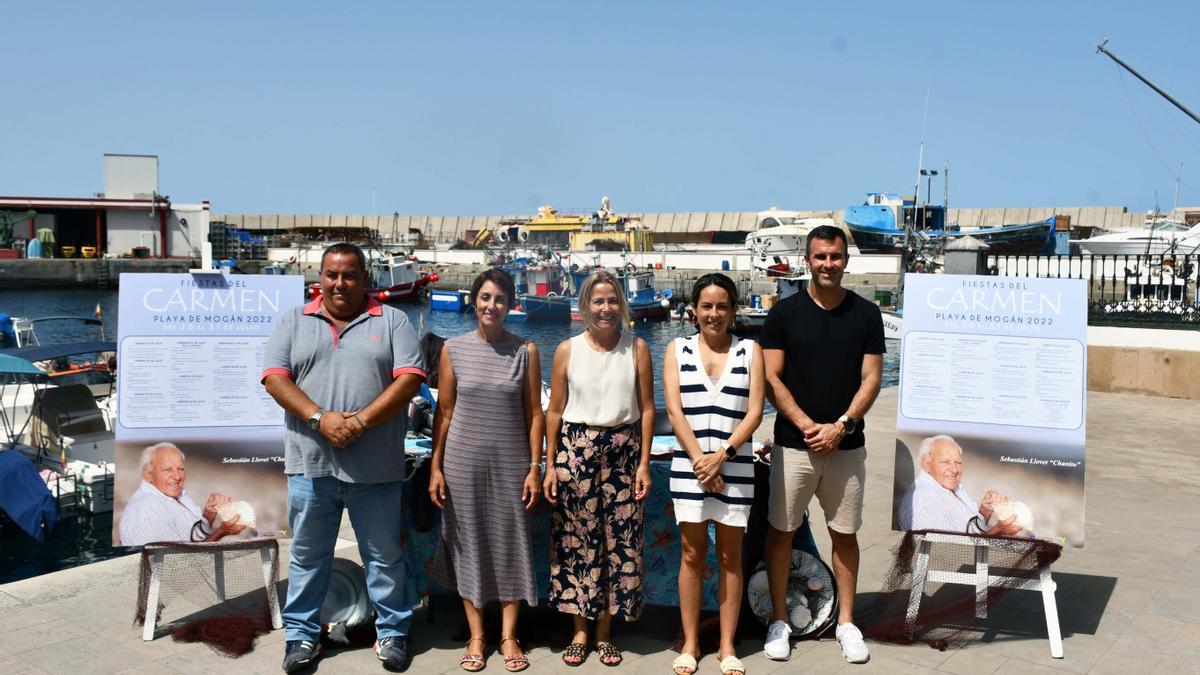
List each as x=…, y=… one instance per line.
x=778, y=646
x=850, y=638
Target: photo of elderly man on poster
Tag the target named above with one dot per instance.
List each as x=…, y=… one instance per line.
x=937, y=499
x=162, y=510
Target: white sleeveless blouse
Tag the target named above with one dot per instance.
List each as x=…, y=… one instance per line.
x=602, y=386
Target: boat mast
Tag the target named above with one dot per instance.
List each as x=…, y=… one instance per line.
x=905, y=258
x=1178, y=180
x=1100, y=49
x=945, y=207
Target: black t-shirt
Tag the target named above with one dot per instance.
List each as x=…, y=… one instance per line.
x=823, y=355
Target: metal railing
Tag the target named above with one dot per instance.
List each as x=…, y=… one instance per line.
x=1157, y=290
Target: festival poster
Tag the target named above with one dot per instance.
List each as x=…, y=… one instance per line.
x=990, y=424
x=199, y=443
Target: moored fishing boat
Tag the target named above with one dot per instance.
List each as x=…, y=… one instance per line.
x=545, y=299
x=449, y=300
x=878, y=225
x=646, y=303
x=394, y=277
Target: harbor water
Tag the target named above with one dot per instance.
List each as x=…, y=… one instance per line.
x=86, y=539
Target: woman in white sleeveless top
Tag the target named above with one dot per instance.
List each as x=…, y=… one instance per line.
x=714, y=387
x=598, y=468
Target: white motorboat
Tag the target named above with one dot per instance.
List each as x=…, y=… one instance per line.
x=63, y=420
x=1162, y=237
x=782, y=232
x=893, y=323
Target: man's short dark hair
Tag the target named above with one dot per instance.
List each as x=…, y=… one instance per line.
x=499, y=277
x=826, y=233
x=346, y=248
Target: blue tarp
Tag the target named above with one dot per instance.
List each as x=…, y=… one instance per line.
x=24, y=497
x=16, y=365
x=59, y=350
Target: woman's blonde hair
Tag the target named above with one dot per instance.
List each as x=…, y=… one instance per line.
x=588, y=287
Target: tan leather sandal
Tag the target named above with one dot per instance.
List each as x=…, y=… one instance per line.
x=473, y=662
x=517, y=662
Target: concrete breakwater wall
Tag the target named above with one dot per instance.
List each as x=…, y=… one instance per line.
x=447, y=228
x=1144, y=361
x=81, y=272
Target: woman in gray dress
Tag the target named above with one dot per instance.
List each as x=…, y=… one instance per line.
x=486, y=468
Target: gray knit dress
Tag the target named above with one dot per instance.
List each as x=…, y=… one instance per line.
x=485, y=551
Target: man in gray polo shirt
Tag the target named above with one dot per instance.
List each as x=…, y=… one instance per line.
x=343, y=367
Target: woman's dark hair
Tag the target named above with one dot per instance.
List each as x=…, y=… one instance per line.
x=715, y=279
x=499, y=277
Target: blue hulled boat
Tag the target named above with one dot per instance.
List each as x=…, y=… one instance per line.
x=878, y=225
x=646, y=303
x=547, y=308
x=545, y=299
x=446, y=300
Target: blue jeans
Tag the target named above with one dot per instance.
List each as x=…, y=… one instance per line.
x=315, y=514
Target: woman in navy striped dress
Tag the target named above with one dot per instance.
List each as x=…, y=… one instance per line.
x=713, y=383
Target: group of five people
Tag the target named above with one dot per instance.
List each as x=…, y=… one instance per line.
x=344, y=365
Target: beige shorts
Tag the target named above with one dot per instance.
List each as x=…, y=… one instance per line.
x=836, y=478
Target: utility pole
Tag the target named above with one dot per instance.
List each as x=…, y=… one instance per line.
x=946, y=188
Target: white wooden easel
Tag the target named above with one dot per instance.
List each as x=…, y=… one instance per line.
x=981, y=580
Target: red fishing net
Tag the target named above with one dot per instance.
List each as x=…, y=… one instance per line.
x=951, y=613
x=221, y=584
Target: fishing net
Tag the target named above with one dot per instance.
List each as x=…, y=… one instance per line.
x=948, y=615
x=219, y=586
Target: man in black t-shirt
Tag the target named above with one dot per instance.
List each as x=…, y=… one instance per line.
x=823, y=354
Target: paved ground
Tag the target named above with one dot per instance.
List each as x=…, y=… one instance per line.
x=1129, y=602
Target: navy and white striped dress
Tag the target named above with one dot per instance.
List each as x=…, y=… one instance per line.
x=713, y=409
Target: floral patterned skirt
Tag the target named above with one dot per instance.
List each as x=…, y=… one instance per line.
x=596, y=527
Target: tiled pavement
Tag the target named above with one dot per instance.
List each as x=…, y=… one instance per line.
x=1129, y=602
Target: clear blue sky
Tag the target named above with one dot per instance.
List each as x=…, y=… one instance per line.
x=492, y=108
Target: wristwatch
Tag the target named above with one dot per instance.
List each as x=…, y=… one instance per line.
x=730, y=452
x=314, y=422
x=848, y=422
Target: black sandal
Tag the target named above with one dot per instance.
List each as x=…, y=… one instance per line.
x=608, y=650
x=575, y=650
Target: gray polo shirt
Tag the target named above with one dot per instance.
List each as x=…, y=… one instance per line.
x=344, y=372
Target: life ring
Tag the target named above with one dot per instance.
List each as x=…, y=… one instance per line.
x=630, y=267
x=292, y=260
